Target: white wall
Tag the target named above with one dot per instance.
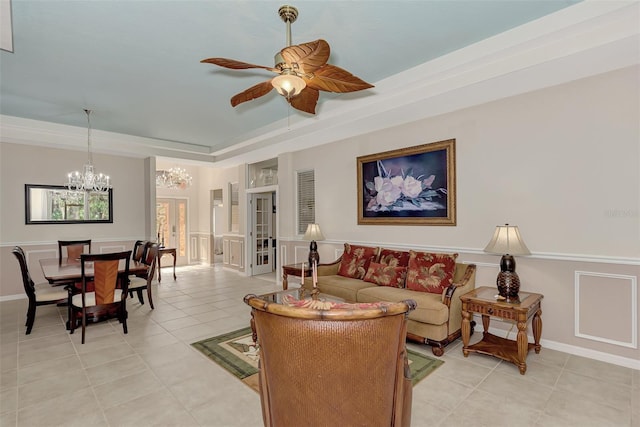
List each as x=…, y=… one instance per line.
x=562, y=163
x=557, y=162
x=24, y=164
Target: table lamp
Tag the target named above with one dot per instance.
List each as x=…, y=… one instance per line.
x=313, y=233
x=508, y=242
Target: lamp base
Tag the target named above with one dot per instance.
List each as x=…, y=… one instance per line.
x=313, y=254
x=508, y=281
x=508, y=285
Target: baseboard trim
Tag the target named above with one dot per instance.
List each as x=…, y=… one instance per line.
x=573, y=350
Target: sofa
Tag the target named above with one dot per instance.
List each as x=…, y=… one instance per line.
x=434, y=281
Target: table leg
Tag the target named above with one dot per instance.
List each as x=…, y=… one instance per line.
x=485, y=324
x=159, y=268
x=466, y=331
x=523, y=346
x=174, y=265
x=537, y=329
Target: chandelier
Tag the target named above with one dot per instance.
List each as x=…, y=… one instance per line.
x=88, y=180
x=173, y=178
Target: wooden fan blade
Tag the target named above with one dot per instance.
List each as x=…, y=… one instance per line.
x=334, y=79
x=253, y=92
x=306, y=101
x=235, y=65
x=308, y=56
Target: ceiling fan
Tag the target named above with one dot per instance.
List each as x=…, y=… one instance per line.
x=302, y=72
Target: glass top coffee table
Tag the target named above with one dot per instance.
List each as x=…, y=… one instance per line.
x=297, y=293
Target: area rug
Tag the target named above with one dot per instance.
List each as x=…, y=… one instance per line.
x=235, y=352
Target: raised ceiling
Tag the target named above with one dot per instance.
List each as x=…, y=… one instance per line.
x=136, y=64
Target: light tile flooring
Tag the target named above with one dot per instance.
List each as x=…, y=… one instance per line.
x=152, y=376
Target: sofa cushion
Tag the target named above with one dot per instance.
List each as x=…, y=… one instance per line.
x=429, y=307
x=394, y=258
x=342, y=287
x=430, y=272
x=356, y=259
x=386, y=275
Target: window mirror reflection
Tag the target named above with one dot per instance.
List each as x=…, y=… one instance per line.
x=56, y=204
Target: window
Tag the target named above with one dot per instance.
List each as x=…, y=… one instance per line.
x=306, y=200
x=234, y=208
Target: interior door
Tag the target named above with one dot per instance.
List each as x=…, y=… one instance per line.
x=171, y=218
x=262, y=234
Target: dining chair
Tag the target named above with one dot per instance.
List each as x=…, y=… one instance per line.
x=38, y=294
x=143, y=281
x=107, y=300
x=139, y=248
x=338, y=365
x=74, y=248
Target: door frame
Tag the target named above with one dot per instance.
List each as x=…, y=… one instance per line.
x=248, y=249
x=188, y=232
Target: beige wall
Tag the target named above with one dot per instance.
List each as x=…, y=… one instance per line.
x=562, y=163
x=23, y=164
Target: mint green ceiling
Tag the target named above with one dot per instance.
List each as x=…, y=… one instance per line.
x=136, y=64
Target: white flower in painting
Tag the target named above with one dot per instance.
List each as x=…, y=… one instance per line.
x=388, y=193
x=411, y=187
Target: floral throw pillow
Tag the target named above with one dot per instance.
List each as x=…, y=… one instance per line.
x=394, y=258
x=430, y=272
x=356, y=259
x=386, y=275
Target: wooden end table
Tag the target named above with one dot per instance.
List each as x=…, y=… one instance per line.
x=294, y=270
x=161, y=252
x=483, y=301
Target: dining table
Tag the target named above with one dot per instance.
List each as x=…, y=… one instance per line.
x=69, y=269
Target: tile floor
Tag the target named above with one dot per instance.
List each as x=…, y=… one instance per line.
x=152, y=376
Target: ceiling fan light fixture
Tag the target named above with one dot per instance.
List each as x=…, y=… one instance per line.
x=288, y=84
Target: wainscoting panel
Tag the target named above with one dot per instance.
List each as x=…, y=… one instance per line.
x=301, y=254
x=225, y=252
x=203, y=241
x=606, y=293
x=112, y=249
x=33, y=262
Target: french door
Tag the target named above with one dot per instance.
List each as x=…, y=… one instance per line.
x=262, y=234
x=171, y=220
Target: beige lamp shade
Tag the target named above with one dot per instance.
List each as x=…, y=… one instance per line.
x=288, y=85
x=313, y=233
x=507, y=240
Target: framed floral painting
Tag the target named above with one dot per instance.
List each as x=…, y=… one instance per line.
x=409, y=186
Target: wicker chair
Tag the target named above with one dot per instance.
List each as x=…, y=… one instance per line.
x=341, y=366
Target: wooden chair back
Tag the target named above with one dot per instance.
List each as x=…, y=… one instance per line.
x=333, y=367
x=27, y=281
x=74, y=248
x=104, y=291
x=139, y=248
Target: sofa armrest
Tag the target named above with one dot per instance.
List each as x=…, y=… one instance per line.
x=464, y=280
x=329, y=269
x=464, y=275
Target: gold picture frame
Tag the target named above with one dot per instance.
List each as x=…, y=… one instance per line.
x=408, y=186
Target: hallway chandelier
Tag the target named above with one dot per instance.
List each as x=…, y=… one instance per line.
x=173, y=178
x=88, y=180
